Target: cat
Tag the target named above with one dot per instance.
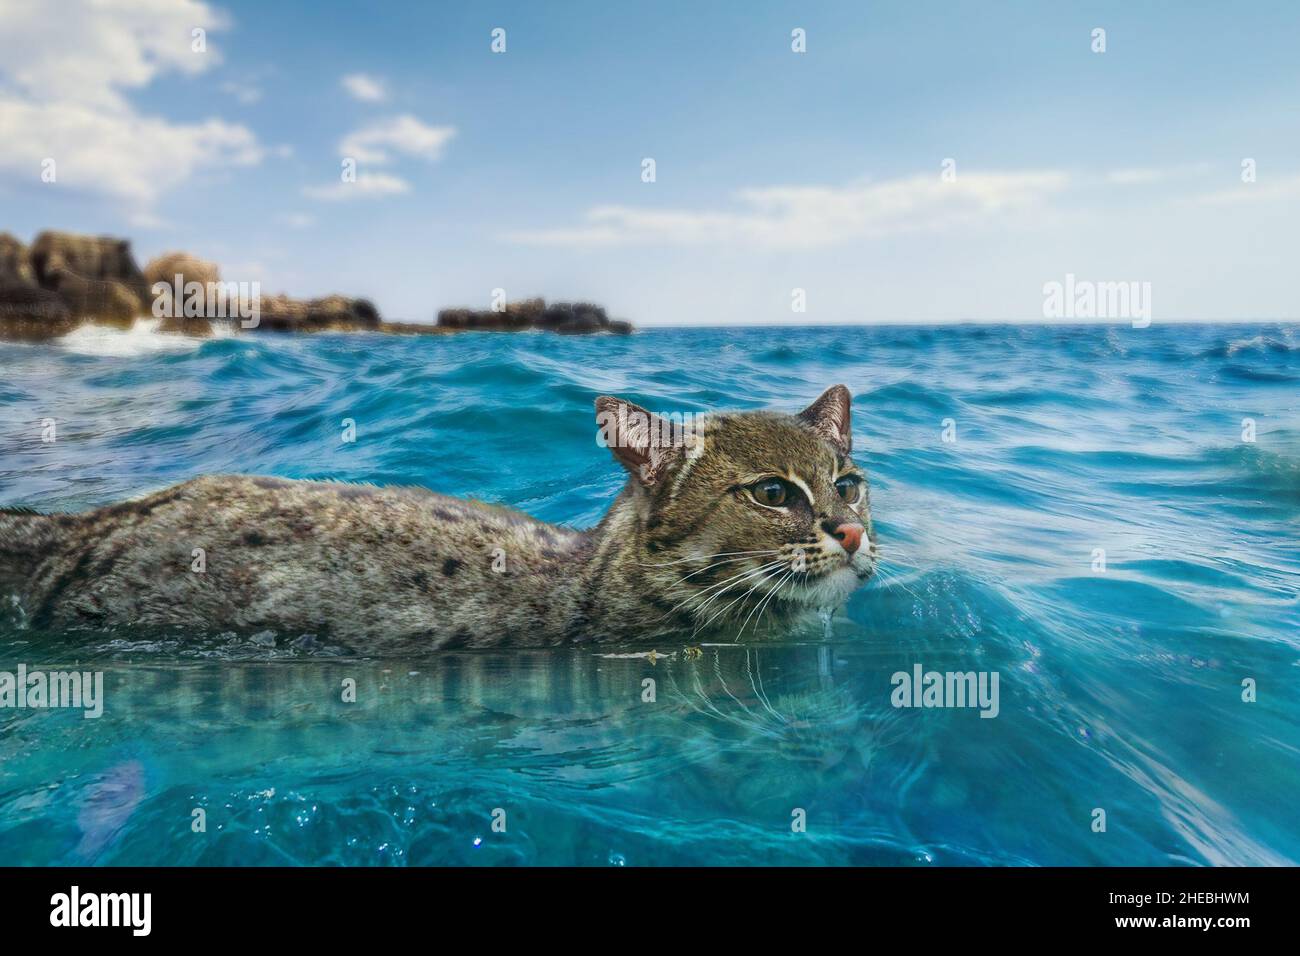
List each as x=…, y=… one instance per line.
x=742, y=523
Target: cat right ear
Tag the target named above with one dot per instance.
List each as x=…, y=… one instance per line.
x=643, y=442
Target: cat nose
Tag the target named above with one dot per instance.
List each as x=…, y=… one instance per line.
x=848, y=534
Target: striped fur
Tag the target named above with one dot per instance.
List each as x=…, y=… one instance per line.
x=377, y=568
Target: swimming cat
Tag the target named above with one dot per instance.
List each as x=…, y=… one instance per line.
x=745, y=520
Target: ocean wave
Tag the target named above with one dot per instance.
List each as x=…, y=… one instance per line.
x=1092, y=527
x=142, y=338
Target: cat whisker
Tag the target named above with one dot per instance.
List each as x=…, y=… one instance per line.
x=761, y=573
x=725, y=584
x=717, y=670
x=699, y=689
x=756, y=606
x=891, y=578
x=767, y=577
x=713, y=710
x=718, y=564
x=703, y=557
x=720, y=586
x=758, y=688
x=772, y=592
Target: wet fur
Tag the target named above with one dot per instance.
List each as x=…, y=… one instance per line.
x=378, y=567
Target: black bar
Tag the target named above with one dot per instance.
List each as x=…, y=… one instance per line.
x=331, y=905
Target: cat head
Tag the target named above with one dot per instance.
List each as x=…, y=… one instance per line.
x=747, y=513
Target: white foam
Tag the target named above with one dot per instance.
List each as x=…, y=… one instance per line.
x=142, y=338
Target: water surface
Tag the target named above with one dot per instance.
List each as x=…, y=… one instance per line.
x=1119, y=689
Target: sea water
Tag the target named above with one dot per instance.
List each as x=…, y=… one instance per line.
x=1105, y=518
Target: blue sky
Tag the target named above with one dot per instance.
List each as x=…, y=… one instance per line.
x=774, y=170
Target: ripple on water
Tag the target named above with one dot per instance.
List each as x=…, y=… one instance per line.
x=1120, y=687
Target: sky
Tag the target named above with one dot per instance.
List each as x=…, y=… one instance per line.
x=917, y=162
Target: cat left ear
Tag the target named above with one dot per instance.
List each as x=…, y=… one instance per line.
x=831, y=418
x=645, y=443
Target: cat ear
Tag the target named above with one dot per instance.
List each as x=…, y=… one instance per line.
x=830, y=418
x=646, y=444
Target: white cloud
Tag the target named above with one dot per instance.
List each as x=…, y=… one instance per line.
x=90, y=51
x=377, y=145
x=366, y=186
x=794, y=216
x=402, y=134
x=296, y=220
x=1134, y=177
x=246, y=93
x=63, y=81
x=364, y=87
x=1279, y=189
x=1145, y=175
x=119, y=154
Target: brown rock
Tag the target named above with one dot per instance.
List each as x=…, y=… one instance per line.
x=515, y=316
x=565, y=318
x=333, y=313
x=166, y=267
x=186, y=325
x=96, y=276
x=101, y=300
x=415, y=328
x=33, y=315
x=15, y=268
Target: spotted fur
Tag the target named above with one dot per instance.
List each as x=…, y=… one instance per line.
x=684, y=550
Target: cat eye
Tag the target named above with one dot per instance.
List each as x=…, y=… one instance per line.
x=772, y=492
x=849, y=487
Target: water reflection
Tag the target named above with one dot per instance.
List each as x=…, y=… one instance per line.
x=682, y=756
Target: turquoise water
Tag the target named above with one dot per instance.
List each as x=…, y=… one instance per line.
x=1119, y=690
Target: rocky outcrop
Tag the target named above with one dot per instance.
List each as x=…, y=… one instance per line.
x=63, y=280
x=580, y=318
x=33, y=314
x=414, y=328
x=177, y=270
x=15, y=267
x=169, y=265
x=515, y=316
x=95, y=276
x=566, y=318
x=27, y=312
x=333, y=313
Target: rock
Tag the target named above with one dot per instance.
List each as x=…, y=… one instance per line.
x=340, y=312
x=414, y=328
x=333, y=313
x=33, y=315
x=92, y=257
x=15, y=268
x=573, y=319
x=197, y=326
x=282, y=314
x=166, y=267
x=106, y=301
x=563, y=317
x=65, y=279
x=516, y=315
x=96, y=276
x=581, y=318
